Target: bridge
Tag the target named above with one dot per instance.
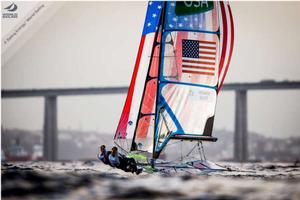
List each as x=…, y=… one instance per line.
x=50, y=115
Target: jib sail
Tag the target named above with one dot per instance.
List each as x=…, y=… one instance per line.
x=136, y=125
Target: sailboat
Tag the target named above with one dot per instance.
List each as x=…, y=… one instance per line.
x=181, y=64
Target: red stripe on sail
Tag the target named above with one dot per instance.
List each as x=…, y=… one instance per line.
x=197, y=72
x=224, y=20
x=147, y=108
x=143, y=127
x=208, y=58
x=122, y=126
x=207, y=52
x=231, y=48
x=207, y=42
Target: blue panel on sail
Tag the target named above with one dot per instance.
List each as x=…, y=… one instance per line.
x=203, y=21
x=152, y=17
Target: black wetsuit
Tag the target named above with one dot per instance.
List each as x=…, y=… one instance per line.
x=127, y=164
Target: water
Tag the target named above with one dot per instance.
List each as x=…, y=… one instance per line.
x=93, y=180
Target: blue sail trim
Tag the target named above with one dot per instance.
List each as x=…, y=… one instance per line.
x=165, y=142
x=164, y=81
x=172, y=115
x=196, y=31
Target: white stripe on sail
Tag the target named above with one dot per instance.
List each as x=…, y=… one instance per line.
x=197, y=64
x=207, y=44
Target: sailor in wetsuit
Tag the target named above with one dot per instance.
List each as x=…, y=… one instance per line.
x=122, y=162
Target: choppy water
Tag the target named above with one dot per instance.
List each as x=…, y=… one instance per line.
x=93, y=180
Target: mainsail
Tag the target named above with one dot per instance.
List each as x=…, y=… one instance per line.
x=182, y=61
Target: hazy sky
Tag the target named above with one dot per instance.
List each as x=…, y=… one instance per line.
x=89, y=44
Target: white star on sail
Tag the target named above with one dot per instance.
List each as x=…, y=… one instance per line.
x=149, y=24
x=154, y=15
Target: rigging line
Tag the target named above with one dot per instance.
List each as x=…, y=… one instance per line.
x=164, y=119
x=188, y=155
x=174, y=50
x=181, y=151
x=199, y=150
x=120, y=147
x=161, y=124
x=202, y=150
x=191, y=150
x=124, y=144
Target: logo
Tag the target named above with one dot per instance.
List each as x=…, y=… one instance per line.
x=10, y=11
x=193, y=7
x=11, y=8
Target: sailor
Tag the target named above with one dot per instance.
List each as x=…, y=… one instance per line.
x=122, y=162
x=114, y=157
x=103, y=155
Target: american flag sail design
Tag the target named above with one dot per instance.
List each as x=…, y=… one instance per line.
x=199, y=57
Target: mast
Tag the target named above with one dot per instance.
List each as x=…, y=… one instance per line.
x=154, y=154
